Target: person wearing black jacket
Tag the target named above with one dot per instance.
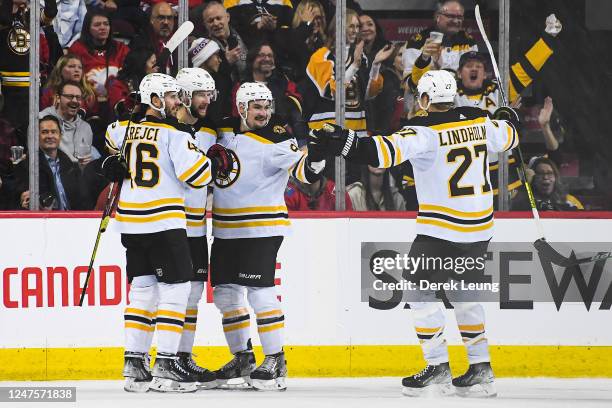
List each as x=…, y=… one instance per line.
x=59, y=177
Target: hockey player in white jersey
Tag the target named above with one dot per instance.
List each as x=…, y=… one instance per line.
x=198, y=92
x=249, y=222
x=448, y=149
x=156, y=161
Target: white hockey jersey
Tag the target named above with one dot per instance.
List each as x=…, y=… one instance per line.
x=162, y=160
x=448, y=151
x=251, y=202
x=195, y=201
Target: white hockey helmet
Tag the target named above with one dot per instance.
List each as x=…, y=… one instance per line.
x=252, y=91
x=196, y=79
x=440, y=86
x=157, y=84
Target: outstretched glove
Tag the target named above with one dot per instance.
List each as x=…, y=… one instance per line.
x=507, y=113
x=115, y=168
x=340, y=141
x=220, y=160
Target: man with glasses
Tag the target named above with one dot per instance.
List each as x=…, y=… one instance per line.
x=160, y=28
x=424, y=49
x=77, y=136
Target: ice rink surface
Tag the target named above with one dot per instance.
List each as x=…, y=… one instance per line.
x=337, y=393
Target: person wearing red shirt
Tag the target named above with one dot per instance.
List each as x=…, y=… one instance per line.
x=101, y=55
x=318, y=196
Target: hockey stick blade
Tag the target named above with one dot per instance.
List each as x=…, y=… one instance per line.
x=547, y=252
x=179, y=35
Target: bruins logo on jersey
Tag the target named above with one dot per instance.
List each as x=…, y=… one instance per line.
x=278, y=129
x=19, y=40
x=234, y=173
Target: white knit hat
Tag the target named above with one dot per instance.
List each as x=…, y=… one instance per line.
x=201, y=50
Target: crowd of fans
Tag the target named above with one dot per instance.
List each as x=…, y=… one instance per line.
x=94, y=54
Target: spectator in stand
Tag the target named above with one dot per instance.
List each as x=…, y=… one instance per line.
x=68, y=68
x=159, y=30
x=76, y=135
x=234, y=51
x=206, y=54
x=233, y=56
x=553, y=133
x=14, y=58
x=319, y=88
x=381, y=109
x=308, y=34
x=548, y=190
x=59, y=177
x=372, y=35
x=261, y=67
x=69, y=21
x=374, y=192
x=257, y=20
x=101, y=55
x=138, y=63
x=448, y=20
x=318, y=196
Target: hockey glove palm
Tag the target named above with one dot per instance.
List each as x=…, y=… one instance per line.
x=507, y=113
x=115, y=168
x=220, y=160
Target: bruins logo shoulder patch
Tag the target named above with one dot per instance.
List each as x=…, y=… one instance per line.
x=234, y=173
x=278, y=129
x=19, y=40
x=293, y=147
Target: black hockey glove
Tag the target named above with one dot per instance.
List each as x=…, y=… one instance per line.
x=220, y=160
x=507, y=113
x=115, y=168
x=340, y=141
x=317, y=143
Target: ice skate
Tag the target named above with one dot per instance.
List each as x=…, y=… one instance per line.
x=271, y=374
x=204, y=378
x=432, y=381
x=477, y=382
x=169, y=375
x=236, y=373
x=137, y=374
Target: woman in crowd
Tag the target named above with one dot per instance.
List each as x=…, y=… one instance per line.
x=101, y=55
x=548, y=189
x=138, y=63
x=308, y=34
x=374, y=192
x=372, y=35
x=68, y=68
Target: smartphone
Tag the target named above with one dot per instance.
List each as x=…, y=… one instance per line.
x=232, y=42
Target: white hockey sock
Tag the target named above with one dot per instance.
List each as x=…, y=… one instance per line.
x=429, y=324
x=139, y=315
x=270, y=318
x=191, y=317
x=471, y=322
x=230, y=301
x=171, y=315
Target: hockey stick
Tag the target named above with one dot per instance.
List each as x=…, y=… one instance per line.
x=541, y=245
x=111, y=199
x=179, y=36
